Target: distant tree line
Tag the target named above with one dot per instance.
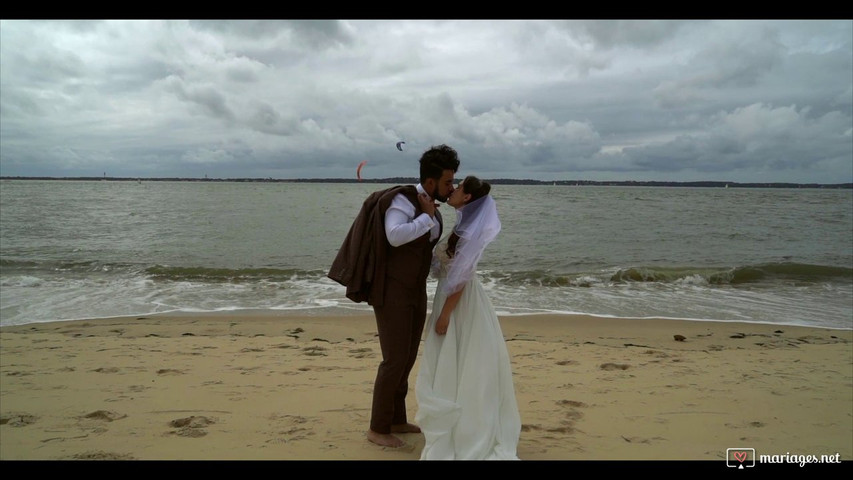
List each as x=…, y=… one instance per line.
x=496, y=181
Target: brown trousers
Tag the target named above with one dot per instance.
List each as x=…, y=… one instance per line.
x=400, y=322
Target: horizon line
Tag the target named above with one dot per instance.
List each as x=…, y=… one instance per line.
x=415, y=179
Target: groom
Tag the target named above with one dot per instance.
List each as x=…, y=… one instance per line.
x=412, y=227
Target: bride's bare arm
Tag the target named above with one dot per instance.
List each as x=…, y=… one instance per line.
x=444, y=317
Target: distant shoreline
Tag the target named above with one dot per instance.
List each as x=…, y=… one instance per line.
x=496, y=181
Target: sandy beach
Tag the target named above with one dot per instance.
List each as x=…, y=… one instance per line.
x=281, y=387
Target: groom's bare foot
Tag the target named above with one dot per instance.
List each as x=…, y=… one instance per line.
x=405, y=428
x=385, y=439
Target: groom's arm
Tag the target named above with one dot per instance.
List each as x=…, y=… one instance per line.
x=400, y=226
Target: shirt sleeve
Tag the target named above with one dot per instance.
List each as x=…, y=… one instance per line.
x=464, y=265
x=401, y=225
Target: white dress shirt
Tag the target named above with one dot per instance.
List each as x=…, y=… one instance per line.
x=401, y=225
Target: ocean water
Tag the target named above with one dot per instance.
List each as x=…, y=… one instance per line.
x=90, y=249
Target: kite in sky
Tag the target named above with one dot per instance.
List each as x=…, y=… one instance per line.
x=400, y=146
x=358, y=170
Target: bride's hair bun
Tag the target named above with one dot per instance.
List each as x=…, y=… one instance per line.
x=475, y=187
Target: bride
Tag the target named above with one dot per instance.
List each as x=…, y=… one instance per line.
x=466, y=400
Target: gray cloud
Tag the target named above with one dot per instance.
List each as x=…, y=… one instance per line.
x=598, y=100
x=759, y=139
x=607, y=34
x=729, y=62
x=204, y=99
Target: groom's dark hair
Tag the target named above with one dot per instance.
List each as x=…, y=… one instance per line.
x=436, y=160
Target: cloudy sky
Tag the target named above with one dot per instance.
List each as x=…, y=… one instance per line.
x=724, y=100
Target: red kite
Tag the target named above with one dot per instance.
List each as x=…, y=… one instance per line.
x=358, y=170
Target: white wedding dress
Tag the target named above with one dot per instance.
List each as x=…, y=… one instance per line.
x=466, y=401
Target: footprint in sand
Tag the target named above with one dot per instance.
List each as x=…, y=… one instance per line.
x=18, y=420
x=103, y=415
x=295, y=332
x=567, y=424
x=614, y=366
x=106, y=370
x=362, y=353
x=290, y=428
x=656, y=353
x=567, y=362
x=641, y=439
x=747, y=425
x=246, y=370
x=572, y=415
x=169, y=371
x=291, y=419
x=193, y=426
x=101, y=455
x=314, y=351
x=94, y=422
x=566, y=429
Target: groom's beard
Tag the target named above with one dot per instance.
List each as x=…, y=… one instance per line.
x=438, y=197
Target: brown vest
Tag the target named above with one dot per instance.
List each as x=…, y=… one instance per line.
x=409, y=264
